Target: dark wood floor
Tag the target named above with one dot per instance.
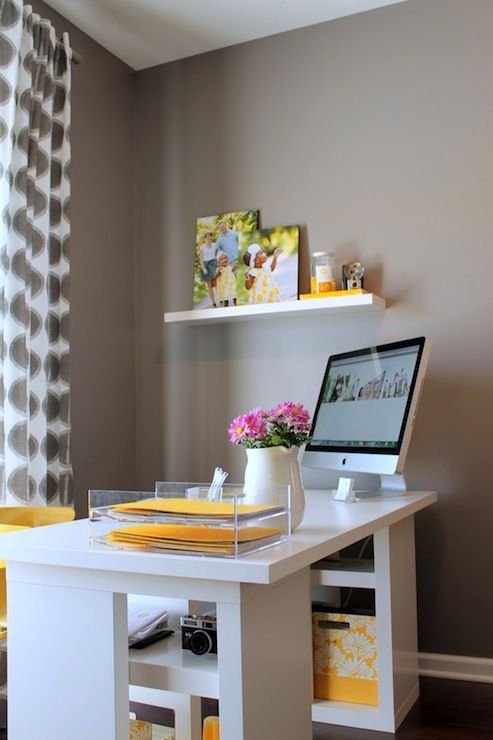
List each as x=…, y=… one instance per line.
x=446, y=710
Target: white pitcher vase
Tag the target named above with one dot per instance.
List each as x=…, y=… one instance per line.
x=274, y=466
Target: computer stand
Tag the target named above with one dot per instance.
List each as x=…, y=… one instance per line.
x=390, y=485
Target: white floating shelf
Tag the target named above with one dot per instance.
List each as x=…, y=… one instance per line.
x=310, y=306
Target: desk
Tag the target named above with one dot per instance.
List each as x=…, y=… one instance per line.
x=68, y=656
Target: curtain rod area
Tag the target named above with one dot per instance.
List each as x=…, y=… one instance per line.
x=76, y=57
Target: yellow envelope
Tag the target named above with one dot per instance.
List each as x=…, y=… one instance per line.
x=189, y=533
x=190, y=507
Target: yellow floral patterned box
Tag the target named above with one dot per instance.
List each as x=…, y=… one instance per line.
x=140, y=730
x=345, y=657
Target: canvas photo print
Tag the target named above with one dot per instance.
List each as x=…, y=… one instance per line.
x=268, y=265
x=217, y=245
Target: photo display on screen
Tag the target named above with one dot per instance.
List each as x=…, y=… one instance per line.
x=365, y=399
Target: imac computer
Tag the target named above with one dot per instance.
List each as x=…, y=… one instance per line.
x=366, y=409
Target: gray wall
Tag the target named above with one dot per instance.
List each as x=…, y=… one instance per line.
x=102, y=267
x=374, y=133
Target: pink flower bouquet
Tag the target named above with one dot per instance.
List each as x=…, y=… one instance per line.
x=286, y=425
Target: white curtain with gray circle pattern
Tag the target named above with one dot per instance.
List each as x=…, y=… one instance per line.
x=35, y=462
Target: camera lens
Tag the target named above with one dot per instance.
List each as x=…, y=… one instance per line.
x=200, y=642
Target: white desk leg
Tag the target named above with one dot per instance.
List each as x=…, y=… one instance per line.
x=67, y=663
x=395, y=606
x=265, y=662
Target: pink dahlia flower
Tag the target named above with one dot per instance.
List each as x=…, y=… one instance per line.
x=247, y=426
x=293, y=414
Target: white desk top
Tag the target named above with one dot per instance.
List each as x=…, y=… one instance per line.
x=327, y=527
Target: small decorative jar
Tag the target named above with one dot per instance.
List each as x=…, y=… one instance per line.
x=323, y=272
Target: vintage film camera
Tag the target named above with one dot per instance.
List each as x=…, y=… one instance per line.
x=352, y=275
x=198, y=633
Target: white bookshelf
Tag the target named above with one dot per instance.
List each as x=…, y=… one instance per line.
x=309, y=307
x=166, y=667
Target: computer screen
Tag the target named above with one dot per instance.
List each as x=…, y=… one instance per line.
x=366, y=408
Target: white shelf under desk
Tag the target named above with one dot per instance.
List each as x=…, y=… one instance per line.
x=349, y=573
x=166, y=666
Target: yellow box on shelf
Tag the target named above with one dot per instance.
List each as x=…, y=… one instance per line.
x=344, y=656
x=332, y=293
x=140, y=730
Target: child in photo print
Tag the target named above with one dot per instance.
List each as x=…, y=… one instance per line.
x=268, y=265
x=225, y=281
x=217, y=240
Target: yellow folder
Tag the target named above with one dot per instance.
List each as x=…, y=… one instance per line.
x=190, y=507
x=187, y=537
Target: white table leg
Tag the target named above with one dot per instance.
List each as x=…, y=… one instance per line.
x=395, y=606
x=67, y=663
x=265, y=662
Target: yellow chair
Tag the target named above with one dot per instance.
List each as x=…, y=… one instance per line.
x=13, y=518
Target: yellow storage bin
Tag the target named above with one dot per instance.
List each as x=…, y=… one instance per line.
x=140, y=730
x=344, y=657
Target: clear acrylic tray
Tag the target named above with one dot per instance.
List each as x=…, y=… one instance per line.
x=180, y=518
